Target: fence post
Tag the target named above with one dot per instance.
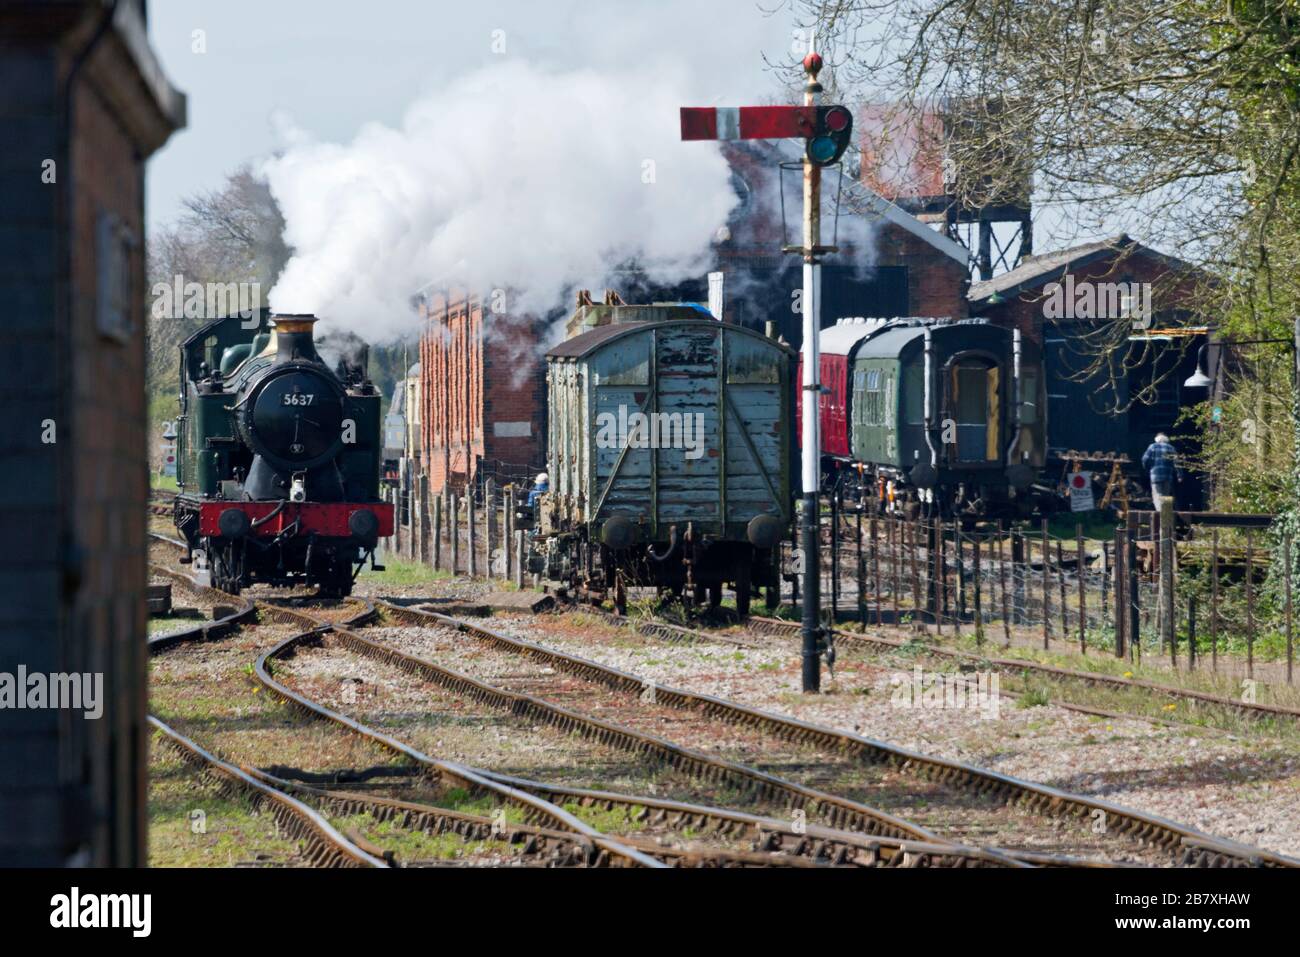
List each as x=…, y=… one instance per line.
x=436, y=538
x=1019, y=577
x=1250, y=604
x=1290, y=647
x=1191, y=630
x=471, y=558
x=1214, y=601
x=979, y=608
x=862, y=568
x=1168, y=631
x=519, y=558
x=939, y=575
x=508, y=529
x=1002, y=580
x=1134, y=630
x=875, y=569
x=1060, y=584
x=895, y=538
x=489, y=515
x=1047, y=591
x=453, y=526
x=1117, y=582
x=1083, y=590
x=835, y=551
x=916, y=573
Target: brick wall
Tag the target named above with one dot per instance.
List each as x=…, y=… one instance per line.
x=468, y=427
x=72, y=583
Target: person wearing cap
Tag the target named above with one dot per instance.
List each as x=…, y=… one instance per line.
x=541, y=485
x=1161, y=462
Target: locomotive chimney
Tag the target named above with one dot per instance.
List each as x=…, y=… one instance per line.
x=293, y=338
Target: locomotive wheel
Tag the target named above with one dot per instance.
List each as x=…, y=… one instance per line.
x=620, y=595
x=698, y=594
x=715, y=595
x=772, y=597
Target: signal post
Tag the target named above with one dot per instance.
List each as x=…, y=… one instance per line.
x=827, y=130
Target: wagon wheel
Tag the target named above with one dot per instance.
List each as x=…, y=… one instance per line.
x=698, y=594
x=715, y=595
x=742, y=589
x=772, y=597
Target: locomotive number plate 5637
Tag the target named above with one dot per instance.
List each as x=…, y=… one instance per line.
x=296, y=398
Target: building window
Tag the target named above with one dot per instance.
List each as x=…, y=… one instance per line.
x=114, y=243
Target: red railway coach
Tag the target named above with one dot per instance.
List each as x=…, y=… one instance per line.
x=838, y=344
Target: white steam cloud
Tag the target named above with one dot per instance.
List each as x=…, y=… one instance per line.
x=514, y=177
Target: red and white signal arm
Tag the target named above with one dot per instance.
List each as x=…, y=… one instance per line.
x=1080, y=485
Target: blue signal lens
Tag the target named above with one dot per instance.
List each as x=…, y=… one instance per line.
x=821, y=149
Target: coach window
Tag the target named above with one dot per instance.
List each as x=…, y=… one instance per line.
x=1028, y=398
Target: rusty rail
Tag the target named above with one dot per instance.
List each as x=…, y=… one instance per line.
x=326, y=846
x=1191, y=847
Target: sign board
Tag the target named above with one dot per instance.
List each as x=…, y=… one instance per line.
x=1080, y=484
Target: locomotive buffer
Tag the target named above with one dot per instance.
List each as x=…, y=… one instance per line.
x=826, y=129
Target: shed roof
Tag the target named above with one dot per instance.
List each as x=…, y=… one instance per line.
x=587, y=342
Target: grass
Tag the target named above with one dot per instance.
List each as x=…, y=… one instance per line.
x=193, y=825
x=163, y=483
x=398, y=573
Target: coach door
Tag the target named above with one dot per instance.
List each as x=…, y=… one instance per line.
x=975, y=402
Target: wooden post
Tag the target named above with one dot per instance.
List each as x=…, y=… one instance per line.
x=1214, y=600
x=436, y=539
x=423, y=540
x=1047, y=591
x=939, y=576
x=1290, y=646
x=979, y=607
x=1191, y=629
x=1002, y=580
x=835, y=551
x=1250, y=604
x=895, y=538
x=1169, y=632
x=453, y=526
x=1060, y=582
x=520, y=561
x=875, y=574
x=471, y=557
x=1117, y=582
x=959, y=551
x=1019, y=577
x=508, y=530
x=916, y=572
x=862, y=568
x=1083, y=597
x=489, y=515
x=1133, y=632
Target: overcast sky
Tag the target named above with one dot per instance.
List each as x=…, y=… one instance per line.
x=329, y=66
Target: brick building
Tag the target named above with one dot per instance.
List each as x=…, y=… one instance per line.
x=83, y=103
x=1142, y=392
x=484, y=390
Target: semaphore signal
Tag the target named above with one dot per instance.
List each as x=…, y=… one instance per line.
x=826, y=130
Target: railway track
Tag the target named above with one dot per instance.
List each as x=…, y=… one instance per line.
x=1178, y=844
x=323, y=846
x=809, y=843
x=1015, y=666
x=774, y=843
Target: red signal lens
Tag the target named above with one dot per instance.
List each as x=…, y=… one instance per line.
x=837, y=120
